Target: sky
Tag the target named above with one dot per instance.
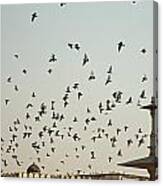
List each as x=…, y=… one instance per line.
x=98, y=28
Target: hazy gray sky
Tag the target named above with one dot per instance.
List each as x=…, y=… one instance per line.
x=97, y=27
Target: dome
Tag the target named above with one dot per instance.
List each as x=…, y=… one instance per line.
x=33, y=169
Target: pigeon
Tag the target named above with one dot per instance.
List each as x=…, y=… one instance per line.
x=34, y=16
x=120, y=45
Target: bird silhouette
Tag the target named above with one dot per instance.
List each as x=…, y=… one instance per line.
x=110, y=70
x=29, y=105
x=129, y=101
x=87, y=121
x=53, y=58
x=142, y=95
x=80, y=94
x=76, y=137
x=118, y=131
x=85, y=59
x=93, y=118
x=16, y=56
x=108, y=80
x=108, y=107
x=33, y=94
x=143, y=51
x=110, y=123
x=93, y=155
x=140, y=142
x=4, y=162
x=7, y=101
x=62, y=4
x=77, y=46
x=75, y=86
x=140, y=130
x=138, y=103
x=120, y=46
x=65, y=104
x=70, y=45
x=92, y=76
x=100, y=107
x=68, y=90
x=34, y=16
x=65, y=97
x=125, y=128
x=24, y=71
x=129, y=142
x=50, y=71
x=88, y=110
x=9, y=79
x=16, y=88
x=75, y=119
x=26, y=134
x=110, y=159
x=37, y=118
x=144, y=78
x=119, y=153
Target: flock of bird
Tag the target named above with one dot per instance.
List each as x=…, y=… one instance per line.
x=52, y=132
